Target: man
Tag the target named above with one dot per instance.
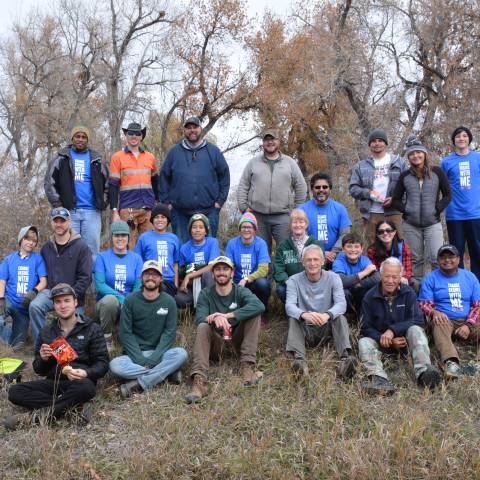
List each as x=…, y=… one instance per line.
x=390, y=322
x=78, y=180
x=61, y=389
x=328, y=219
x=372, y=184
x=133, y=183
x=315, y=307
x=271, y=186
x=225, y=312
x=68, y=260
x=148, y=327
x=462, y=168
x=450, y=297
x=195, y=178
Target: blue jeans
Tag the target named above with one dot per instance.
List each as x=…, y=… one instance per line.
x=17, y=333
x=461, y=231
x=39, y=307
x=88, y=223
x=172, y=360
x=261, y=288
x=180, y=224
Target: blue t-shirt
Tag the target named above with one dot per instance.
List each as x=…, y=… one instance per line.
x=463, y=173
x=326, y=222
x=121, y=272
x=21, y=275
x=162, y=247
x=246, y=257
x=83, y=179
x=452, y=295
x=199, y=254
x=342, y=265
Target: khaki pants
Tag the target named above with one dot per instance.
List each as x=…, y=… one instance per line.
x=139, y=223
x=372, y=221
x=209, y=344
x=442, y=334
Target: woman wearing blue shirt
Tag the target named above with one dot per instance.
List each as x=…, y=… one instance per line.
x=22, y=275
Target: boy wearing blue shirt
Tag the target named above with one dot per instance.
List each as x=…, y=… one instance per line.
x=357, y=272
x=450, y=297
x=195, y=256
x=328, y=219
x=162, y=246
x=249, y=254
x=22, y=275
x=462, y=168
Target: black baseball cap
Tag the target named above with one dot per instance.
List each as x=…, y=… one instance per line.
x=448, y=248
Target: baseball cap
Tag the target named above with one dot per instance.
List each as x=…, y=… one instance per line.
x=193, y=120
x=448, y=248
x=221, y=259
x=270, y=133
x=24, y=230
x=62, y=289
x=60, y=212
x=152, y=265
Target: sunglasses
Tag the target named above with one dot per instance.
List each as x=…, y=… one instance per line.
x=321, y=187
x=385, y=230
x=134, y=133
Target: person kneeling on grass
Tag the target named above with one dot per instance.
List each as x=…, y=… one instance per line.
x=357, y=272
x=315, y=307
x=450, y=297
x=148, y=327
x=225, y=312
x=390, y=322
x=61, y=390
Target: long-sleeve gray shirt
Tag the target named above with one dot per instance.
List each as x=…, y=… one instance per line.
x=324, y=296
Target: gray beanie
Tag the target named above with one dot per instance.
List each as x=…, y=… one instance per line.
x=414, y=145
x=119, y=228
x=23, y=232
x=378, y=133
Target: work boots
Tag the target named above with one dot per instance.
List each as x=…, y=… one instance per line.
x=199, y=389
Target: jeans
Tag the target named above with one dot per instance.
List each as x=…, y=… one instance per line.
x=281, y=291
x=461, y=231
x=17, y=333
x=88, y=223
x=424, y=243
x=39, y=307
x=172, y=360
x=180, y=224
x=261, y=288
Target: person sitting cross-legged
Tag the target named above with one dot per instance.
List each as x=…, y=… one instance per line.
x=390, y=322
x=148, y=327
x=315, y=307
x=225, y=311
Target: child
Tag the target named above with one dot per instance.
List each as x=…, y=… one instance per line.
x=195, y=256
x=357, y=272
x=161, y=246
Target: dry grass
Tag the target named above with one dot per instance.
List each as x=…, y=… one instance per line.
x=317, y=428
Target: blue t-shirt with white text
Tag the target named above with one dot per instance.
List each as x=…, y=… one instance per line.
x=342, y=265
x=326, y=222
x=452, y=295
x=83, y=179
x=199, y=254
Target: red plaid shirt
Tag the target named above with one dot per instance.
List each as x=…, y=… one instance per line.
x=406, y=259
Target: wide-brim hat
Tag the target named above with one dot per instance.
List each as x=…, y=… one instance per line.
x=136, y=127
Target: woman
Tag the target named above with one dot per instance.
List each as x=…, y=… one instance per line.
x=117, y=273
x=422, y=193
x=387, y=244
x=288, y=257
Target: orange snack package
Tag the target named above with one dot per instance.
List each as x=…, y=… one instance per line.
x=62, y=351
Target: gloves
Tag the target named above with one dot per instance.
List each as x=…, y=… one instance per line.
x=29, y=297
x=3, y=306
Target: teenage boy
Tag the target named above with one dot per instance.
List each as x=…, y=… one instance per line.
x=357, y=272
x=22, y=275
x=195, y=256
x=162, y=246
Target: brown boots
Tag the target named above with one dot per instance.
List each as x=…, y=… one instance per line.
x=249, y=375
x=199, y=389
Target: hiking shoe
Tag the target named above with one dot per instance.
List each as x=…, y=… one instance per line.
x=452, y=370
x=471, y=369
x=129, y=388
x=86, y=414
x=199, y=389
x=347, y=367
x=299, y=367
x=264, y=321
x=21, y=420
x=376, y=385
x=430, y=378
x=249, y=375
x=175, y=378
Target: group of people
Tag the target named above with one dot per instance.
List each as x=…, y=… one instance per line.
x=164, y=255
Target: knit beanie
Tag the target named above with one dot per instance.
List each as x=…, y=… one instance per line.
x=378, y=133
x=462, y=129
x=414, y=145
x=160, y=209
x=248, y=217
x=80, y=128
x=199, y=216
x=119, y=228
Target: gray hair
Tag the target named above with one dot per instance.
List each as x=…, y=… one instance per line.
x=311, y=248
x=391, y=261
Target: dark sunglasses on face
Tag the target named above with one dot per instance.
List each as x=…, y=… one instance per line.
x=385, y=230
x=133, y=133
x=321, y=187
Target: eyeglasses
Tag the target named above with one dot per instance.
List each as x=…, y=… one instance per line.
x=134, y=133
x=246, y=228
x=385, y=230
x=321, y=187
